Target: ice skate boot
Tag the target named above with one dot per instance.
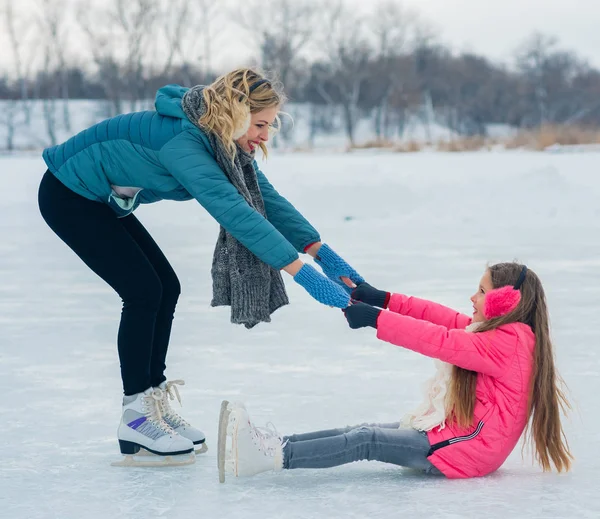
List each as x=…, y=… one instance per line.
x=143, y=429
x=246, y=450
x=178, y=424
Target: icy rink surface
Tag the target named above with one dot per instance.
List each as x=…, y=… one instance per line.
x=422, y=224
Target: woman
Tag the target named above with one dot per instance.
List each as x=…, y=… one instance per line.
x=198, y=144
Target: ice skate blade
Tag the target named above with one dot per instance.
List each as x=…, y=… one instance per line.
x=201, y=448
x=147, y=459
x=222, y=439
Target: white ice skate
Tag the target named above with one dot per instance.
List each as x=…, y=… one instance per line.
x=251, y=449
x=143, y=429
x=170, y=392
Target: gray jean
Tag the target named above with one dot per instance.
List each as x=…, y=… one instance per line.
x=374, y=442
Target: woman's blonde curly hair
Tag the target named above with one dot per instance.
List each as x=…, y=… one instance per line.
x=228, y=99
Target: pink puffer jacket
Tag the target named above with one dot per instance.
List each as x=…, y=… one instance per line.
x=503, y=358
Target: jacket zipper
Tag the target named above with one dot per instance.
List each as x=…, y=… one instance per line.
x=456, y=439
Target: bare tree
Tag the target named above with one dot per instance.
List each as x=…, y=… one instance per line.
x=17, y=114
x=52, y=23
x=587, y=86
x=347, y=57
x=531, y=60
x=120, y=36
x=176, y=18
x=104, y=48
x=211, y=25
x=18, y=37
x=9, y=118
x=281, y=29
x=428, y=58
x=548, y=74
x=49, y=101
x=187, y=25
x=134, y=18
x=180, y=21
x=394, y=27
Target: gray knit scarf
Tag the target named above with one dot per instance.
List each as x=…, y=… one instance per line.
x=253, y=289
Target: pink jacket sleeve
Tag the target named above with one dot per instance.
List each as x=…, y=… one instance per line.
x=486, y=352
x=428, y=311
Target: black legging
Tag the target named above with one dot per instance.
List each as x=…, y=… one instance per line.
x=123, y=254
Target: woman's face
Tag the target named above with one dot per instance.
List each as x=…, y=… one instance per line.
x=259, y=128
x=478, y=298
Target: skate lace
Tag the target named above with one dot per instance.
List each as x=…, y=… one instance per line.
x=171, y=393
x=267, y=438
x=153, y=410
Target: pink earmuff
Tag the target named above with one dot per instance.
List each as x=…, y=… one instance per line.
x=503, y=300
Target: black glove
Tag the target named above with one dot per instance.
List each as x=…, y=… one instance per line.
x=370, y=295
x=360, y=315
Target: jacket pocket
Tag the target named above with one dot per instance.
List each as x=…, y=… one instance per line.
x=456, y=439
x=124, y=206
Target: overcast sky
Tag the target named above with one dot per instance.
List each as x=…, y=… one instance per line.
x=493, y=28
x=496, y=27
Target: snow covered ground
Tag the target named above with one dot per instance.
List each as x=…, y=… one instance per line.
x=424, y=224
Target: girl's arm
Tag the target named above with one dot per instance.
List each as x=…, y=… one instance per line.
x=428, y=311
x=486, y=352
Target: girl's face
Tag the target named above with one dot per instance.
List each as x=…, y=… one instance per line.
x=259, y=129
x=478, y=298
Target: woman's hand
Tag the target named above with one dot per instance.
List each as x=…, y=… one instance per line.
x=321, y=288
x=313, y=250
x=336, y=268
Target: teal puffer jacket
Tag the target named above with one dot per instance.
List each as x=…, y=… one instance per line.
x=163, y=156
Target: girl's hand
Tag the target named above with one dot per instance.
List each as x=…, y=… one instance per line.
x=360, y=315
x=370, y=295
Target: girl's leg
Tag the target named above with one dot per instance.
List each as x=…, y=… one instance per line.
x=335, y=432
x=99, y=238
x=171, y=289
x=404, y=447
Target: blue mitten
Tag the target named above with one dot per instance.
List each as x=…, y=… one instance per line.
x=335, y=267
x=321, y=288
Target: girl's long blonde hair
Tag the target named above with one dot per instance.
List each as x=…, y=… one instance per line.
x=546, y=399
x=228, y=101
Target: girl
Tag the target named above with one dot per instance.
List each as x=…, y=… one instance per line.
x=495, y=373
x=199, y=144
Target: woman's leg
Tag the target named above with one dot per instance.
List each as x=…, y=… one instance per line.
x=404, y=447
x=171, y=288
x=335, y=432
x=100, y=239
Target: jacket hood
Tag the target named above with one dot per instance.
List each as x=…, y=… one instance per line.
x=168, y=101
